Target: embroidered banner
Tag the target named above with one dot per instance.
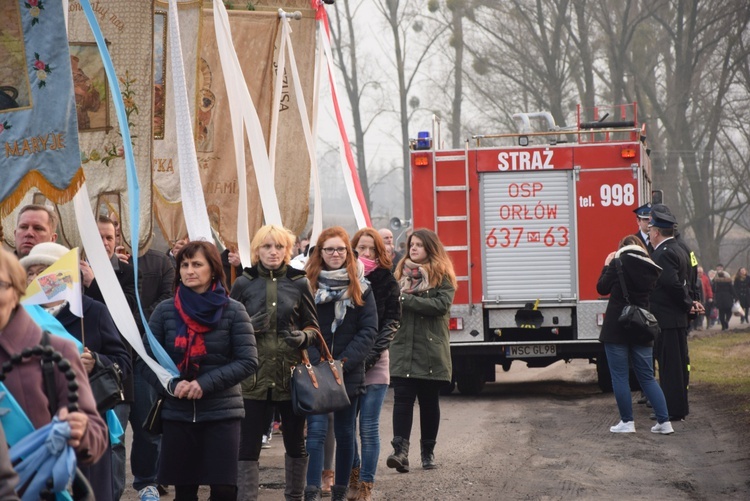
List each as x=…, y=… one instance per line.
x=38, y=133
x=127, y=29
x=257, y=34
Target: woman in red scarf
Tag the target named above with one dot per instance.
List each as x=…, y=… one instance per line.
x=210, y=339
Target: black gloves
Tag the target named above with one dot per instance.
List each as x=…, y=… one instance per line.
x=295, y=339
x=261, y=322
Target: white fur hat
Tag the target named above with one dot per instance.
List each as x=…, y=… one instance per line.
x=46, y=253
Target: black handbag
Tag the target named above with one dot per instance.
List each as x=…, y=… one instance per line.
x=318, y=389
x=152, y=424
x=106, y=385
x=640, y=322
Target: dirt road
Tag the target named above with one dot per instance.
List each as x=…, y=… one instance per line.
x=543, y=434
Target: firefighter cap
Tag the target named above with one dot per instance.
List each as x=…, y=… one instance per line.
x=644, y=211
x=661, y=217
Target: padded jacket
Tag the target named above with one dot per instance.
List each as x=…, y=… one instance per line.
x=231, y=357
x=352, y=341
x=284, y=294
x=640, y=274
x=421, y=347
x=388, y=303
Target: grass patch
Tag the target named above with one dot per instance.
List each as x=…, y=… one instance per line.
x=723, y=362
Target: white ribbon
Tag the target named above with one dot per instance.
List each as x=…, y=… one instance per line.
x=191, y=190
x=240, y=101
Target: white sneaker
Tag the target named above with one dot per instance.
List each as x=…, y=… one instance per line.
x=664, y=428
x=266, y=443
x=149, y=493
x=623, y=427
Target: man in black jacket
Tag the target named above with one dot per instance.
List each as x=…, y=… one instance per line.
x=671, y=304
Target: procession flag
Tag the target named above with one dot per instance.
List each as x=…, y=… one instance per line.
x=61, y=281
x=38, y=124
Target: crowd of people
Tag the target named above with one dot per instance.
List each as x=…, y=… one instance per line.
x=233, y=332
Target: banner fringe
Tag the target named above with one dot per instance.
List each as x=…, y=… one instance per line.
x=36, y=180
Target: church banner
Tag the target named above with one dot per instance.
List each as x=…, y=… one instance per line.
x=38, y=126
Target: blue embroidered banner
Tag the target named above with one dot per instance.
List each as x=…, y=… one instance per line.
x=38, y=123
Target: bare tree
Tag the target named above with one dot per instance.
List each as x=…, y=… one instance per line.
x=401, y=18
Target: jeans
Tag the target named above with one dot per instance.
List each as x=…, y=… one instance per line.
x=122, y=411
x=641, y=358
x=344, y=424
x=405, y=392
x=369, y=431
x=144, y=452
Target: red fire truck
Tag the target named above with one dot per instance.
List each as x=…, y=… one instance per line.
x=528, y=219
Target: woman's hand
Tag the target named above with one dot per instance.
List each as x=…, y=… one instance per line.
x=609, y=258
x=78, y=422
x=88, y=360
x=190, y=390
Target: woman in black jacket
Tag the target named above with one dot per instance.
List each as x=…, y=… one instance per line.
x=285, y=321
x=348, y=321
x=724, y=297
x=371, y=250
x=210, y=339
x=742, y=290
x=624, y=347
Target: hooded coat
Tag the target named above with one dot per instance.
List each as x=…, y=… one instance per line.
x=640, y=274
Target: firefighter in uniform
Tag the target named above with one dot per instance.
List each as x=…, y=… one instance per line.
x=643, y=216
x=671, y=304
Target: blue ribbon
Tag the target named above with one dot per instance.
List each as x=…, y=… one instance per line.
x=134, y=191
x=46, y=454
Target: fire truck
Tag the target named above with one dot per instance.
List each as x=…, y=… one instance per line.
x=528, y=219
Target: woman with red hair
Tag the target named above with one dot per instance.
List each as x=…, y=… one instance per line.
x=348, y=320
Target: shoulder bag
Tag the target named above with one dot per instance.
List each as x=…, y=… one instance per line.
x=640, y=322
x=106, y=385
x=318, y=389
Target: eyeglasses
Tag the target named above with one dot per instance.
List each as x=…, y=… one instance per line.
x=328, y=251
x=4, y=286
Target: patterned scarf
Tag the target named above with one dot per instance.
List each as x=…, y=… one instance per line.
x=333, y=285
x=198, y=314
x=414, y=277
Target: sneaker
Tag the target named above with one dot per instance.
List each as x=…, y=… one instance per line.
x=149, y=493
x=276, y=427
x=664, y=428
x=623, y=427
x=266, y=443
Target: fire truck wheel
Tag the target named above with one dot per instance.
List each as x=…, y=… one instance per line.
x=470, y=383
x=604, y=378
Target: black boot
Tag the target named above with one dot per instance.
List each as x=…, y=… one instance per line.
x=338, y=492
x=400, y=457
x=428, y=454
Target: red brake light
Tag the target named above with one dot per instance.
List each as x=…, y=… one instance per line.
x=628, y=153
x=421, y=160
x=456, y=324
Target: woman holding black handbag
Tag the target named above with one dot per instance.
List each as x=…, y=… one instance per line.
x=349, y=322
x=285, y=321
x=624, y=347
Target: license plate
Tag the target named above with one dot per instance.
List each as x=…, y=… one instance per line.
x=531, y=350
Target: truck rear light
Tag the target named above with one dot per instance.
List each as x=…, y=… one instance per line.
x=600, y=319
x=628, y=153
x=555, y=331
x=421, y=160
x=456, y=324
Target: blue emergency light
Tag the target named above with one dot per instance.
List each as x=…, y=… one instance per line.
x=424, y=142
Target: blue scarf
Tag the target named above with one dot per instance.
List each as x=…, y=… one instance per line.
x=197, y=314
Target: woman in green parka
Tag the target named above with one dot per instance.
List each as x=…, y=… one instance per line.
x=282, y=309
x=420, y=351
